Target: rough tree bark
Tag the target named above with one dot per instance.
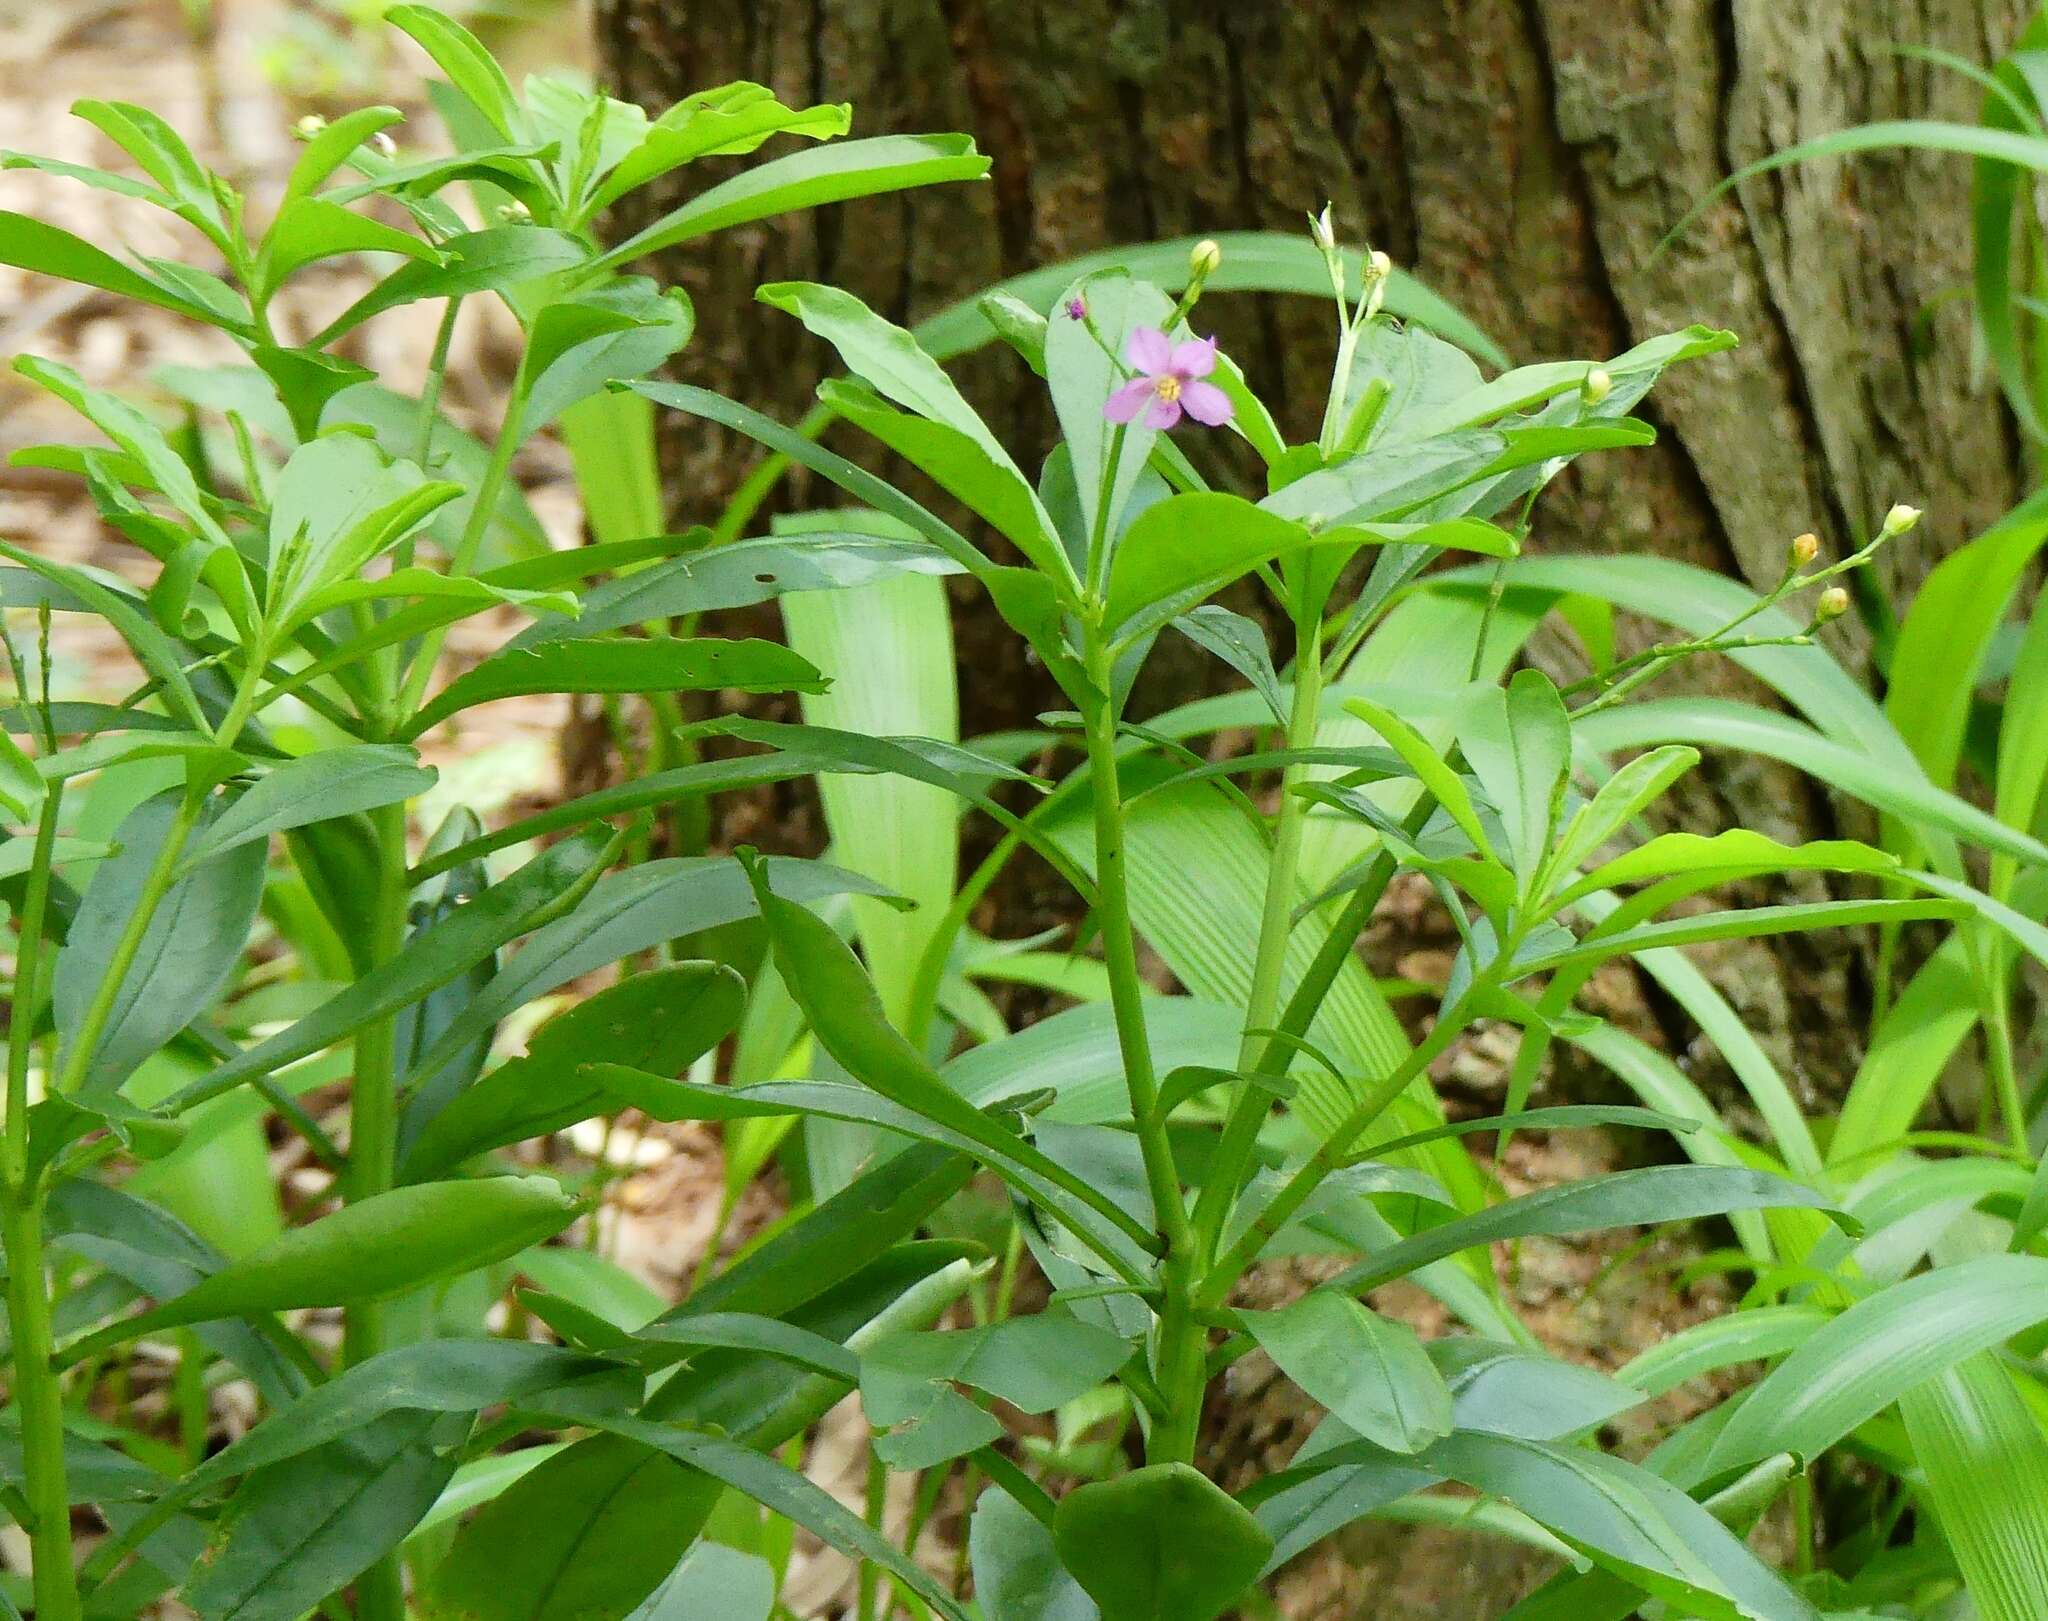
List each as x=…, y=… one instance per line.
x=1524, y=158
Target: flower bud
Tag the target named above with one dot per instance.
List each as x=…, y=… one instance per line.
x=1378, y=267
x=1596, y=386
x=309, y=126
x=383, y=145
x=1805, y=548
x=1900, y=519
x=1206, y=255
x=514, y=212
x=1322, y=231
x=1833, y=603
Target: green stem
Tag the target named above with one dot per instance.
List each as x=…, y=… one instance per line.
x=1249, y=1104
x=1182, y=1349
x=38, y=1394
x=84, y=1039
x=372, y=1154
x=478, y=525
x=877, y=1508
x=430, y=394
x=1329, y=1154
x=2005, y=1078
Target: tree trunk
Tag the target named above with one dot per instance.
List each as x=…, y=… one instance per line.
x=1524, y=158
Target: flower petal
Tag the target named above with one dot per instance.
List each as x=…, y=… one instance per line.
x=1195, y=358
x=1164, y=413
x=1206, y=403
x=1128, y=401
x=1148, y=350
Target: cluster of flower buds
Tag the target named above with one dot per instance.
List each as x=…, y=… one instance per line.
x=309, y=125
x=1322, y=231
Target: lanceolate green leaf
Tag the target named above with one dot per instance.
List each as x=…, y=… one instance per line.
x=1745, y=924
x=708, y=578
x=1881, y=1347
x=828, y=174
x=1367, y=1369
x=443, y=1376
x=432, y=958
x=470, y=68
x=191, y=946
x=32, y=244
x=625, y=913
x=1628, y=1520
x=1120, y=1239
x=1724, y=857
x=1984, y=1453
x=306, y=1527
x=786, y=1492
x=315, y=788
x=846, y=1016
x=1941, y=644
x=1657, y=1194
x=380, y=1246
x=663, y=664
x=659, y=1022
x=588, y=1533
x=1159, y=1544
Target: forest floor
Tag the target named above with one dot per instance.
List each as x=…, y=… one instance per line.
x=236, y=93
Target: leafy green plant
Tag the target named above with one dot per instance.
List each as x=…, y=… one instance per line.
x=1866, y=1362
x=636, y=1460
x=1958, y=716
x=1143, y=1192
x=287, y=650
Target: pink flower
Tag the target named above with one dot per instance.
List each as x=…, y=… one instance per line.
x=1169, y=381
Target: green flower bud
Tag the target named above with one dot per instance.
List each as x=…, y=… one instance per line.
x=1833, y=603
x=1204, y=258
